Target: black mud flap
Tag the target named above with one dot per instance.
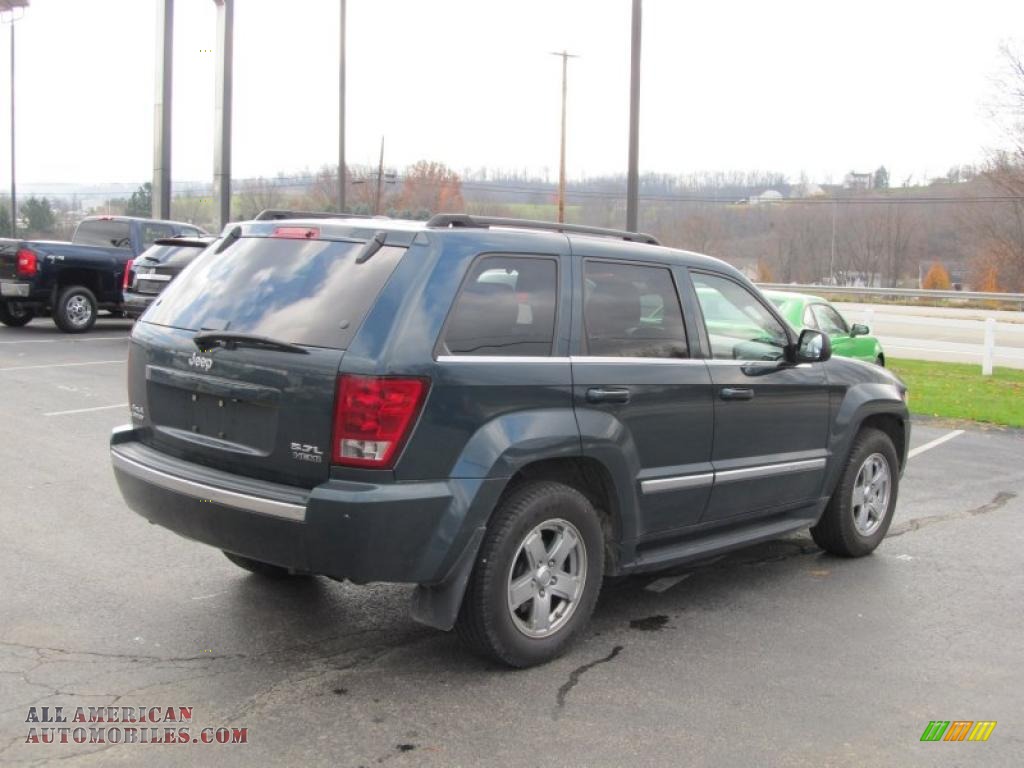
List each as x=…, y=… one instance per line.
x=438, y=605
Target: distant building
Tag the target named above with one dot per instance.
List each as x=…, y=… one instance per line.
x=768, y=196
x=859, y=181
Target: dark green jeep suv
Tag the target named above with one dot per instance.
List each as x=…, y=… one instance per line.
x=500, y=412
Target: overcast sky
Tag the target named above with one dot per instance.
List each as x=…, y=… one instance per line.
x=791, y=85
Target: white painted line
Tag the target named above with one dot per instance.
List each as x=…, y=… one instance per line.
x=59, y=365
x=66, y=341
x=86, y=410
x=666, y=583
x=934, y=443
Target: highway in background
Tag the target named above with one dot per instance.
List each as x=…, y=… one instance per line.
x=943, y=334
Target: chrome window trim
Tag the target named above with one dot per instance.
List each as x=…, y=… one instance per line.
x=500, y=359
x=574, y=359
x=243, y=501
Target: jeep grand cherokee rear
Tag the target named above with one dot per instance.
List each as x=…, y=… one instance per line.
x=499, y=415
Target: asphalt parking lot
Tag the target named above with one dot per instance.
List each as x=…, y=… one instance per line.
x=775, y=655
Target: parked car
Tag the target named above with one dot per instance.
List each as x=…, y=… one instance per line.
x=73, y=281
x=497, y=411
x=848, y=340
x=146, y=276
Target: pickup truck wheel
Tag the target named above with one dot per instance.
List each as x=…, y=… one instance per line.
x=75, y=311
x=14, y=314
x=267, y=570
x=861, y=509
x=536, y=578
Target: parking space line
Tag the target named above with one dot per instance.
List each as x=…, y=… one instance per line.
x=86, y=410
x=59, y=365
x=65, y=341
x=665, y=583
x=934, y=443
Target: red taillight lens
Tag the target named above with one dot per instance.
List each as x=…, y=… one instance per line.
x=27, y=263
x=127, y=280
x=372, y=418
x=297, y=233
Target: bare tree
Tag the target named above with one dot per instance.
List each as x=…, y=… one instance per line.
x=256, y=195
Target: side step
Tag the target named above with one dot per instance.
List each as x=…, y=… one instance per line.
x=699, y=547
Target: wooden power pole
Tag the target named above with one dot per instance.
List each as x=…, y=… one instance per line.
x=561, y=160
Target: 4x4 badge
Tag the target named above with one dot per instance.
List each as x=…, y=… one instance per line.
x=198, y=361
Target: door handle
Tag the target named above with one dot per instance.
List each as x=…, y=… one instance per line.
x=608, y=395
x=737, y=393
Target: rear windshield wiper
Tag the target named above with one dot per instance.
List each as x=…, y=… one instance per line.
x=230, y=340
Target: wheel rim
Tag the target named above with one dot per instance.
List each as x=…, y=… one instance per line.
x=78, y=309
x=547, y=578
x=871, y=491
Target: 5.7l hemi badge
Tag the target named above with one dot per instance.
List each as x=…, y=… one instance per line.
x=304, y=452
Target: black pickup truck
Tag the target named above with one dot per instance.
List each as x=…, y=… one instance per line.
x=73, y=281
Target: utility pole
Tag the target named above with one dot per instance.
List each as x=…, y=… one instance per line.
x=341, y=114
x=633, y=174
x=832, y=259
x=380, y=179
x=14, y=196
x=561, y=161
x=222, y=111
x=161, y=203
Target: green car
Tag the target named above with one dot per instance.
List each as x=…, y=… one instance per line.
x=802, y=311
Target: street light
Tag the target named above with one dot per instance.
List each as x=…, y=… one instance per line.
x=10, y=12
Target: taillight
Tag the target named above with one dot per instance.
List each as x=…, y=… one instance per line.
x=127, y=279
x=372, y=418
x=27, y=263
x=297, y=233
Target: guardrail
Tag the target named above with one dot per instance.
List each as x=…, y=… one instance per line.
x=910, y=293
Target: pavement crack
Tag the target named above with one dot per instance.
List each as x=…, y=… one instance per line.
x=574, y=678
x=998, y=501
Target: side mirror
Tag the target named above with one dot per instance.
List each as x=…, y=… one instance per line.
x=859, y=329
x=812, y=347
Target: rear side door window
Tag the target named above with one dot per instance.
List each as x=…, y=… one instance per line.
x=739, y=326
x=631, y=311
x=506, y=307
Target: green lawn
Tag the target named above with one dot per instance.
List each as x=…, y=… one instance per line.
x=959, y=391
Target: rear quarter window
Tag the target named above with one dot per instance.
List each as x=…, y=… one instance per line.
x=308, y=292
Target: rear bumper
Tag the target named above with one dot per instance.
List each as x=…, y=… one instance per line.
x=136, y=303
x=398, y=532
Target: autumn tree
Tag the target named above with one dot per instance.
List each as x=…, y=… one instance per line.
x=432, y=187
x=936, y=278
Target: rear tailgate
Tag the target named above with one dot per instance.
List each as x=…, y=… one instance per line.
x=263, y=411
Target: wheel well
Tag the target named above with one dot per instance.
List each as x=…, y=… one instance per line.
x=591, y=478
x=890, y=425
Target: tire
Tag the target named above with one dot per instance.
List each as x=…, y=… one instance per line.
x=550, y=515
x=850, y=529
x=880, y=361
x=266, y=570
x=14, y=314
x=75, y=311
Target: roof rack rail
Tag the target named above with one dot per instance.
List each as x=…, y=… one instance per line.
x=443, y=220
x=272, y=214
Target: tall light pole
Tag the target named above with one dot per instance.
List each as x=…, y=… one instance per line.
x=341, y=114
x=222, y=111
x=561, y=160
x=633, y=174
x=161, y=202
x=9, y=12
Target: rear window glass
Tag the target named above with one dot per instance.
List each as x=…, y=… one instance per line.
x=112, y=234
x=506, y=307
x=309, y=292
x=171, y=255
